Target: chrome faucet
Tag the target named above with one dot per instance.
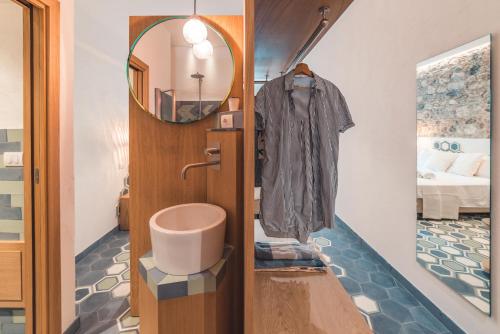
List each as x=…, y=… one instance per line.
x=212, y=153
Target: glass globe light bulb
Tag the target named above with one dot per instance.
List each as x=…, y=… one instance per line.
x=203, y=50
x=194, y=31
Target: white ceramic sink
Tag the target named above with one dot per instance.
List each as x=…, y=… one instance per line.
x=188, y=238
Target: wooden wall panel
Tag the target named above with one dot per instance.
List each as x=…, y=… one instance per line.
x=11, y=276
x=249, y=169
x=225, y=188
x=158, y=151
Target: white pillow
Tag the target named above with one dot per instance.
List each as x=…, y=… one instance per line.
x=440, y=161
x=466, y=164
x=484, y=168
x=422, y=158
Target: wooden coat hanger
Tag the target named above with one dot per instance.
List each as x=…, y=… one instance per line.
x=302, y=68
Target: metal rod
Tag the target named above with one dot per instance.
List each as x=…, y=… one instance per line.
x=194, y=11
x=303, y=52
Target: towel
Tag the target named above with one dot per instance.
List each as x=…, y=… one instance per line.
x=285, y=251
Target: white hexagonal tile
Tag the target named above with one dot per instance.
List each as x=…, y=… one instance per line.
x=435, y=230
x=338, y=269
x=466, y=262
x=472, y=280
x=322, y=242
x=478, y=230
x=449, y=238
x=116, y=268
x=122, y=290
x=482, y=240
x=485, y=252
x=366, y=304
x=427, y=258
x=451, y=250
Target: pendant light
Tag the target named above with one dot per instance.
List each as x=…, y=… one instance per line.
x=194, y=30
x=203, y=50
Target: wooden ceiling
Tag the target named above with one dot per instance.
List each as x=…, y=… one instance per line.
x=282, y=27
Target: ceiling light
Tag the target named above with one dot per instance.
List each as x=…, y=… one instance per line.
x=203, y=50
x=194, y=30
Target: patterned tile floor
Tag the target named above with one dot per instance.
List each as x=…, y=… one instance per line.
x=387, y=306
x=103, y=287
x=453, y=251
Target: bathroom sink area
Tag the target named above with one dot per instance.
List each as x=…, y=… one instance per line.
x=188, y=238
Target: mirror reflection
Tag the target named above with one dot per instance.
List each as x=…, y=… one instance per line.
x=453, y=169
x=177, y=81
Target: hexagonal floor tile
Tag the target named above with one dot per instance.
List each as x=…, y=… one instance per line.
x=122, y=290
x=427, y=258
x=122, y=257
x=82, y=292
x=323, y=242
x=116, y=268
x=453, y=265
x=106, y=283
x=451, y=250
x=126, y=275
x=472, y=280
x=366, y=304
x=125, y=321
x=466, y=262
x=440, y=270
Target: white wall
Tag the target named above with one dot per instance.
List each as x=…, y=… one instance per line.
x=371, y=54
x=218, y=71
x=101, y=102
x=67, y=179
x=11, y=65
x=154, y=48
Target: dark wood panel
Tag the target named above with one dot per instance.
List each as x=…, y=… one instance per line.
x=283, y=26
x=159, y=150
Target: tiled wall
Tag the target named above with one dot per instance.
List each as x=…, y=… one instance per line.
x=11, y=188
x=12, y=321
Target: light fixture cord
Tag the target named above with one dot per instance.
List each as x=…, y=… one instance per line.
x=194, y=7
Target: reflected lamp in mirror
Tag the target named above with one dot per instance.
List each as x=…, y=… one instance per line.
x=176, y=80
x=453, y=197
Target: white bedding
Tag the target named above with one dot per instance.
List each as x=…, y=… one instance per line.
x=447, y=192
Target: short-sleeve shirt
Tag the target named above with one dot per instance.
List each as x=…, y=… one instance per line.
x=300, y=119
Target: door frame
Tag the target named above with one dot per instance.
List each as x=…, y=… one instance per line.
x=42, y=296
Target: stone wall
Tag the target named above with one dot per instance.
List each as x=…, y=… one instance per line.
x=454, y=96
x=11, y=188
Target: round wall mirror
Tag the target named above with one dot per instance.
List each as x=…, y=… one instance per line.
x=174, y=80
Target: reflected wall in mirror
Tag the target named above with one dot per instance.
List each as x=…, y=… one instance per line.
x=177, y=81
x=453, y=169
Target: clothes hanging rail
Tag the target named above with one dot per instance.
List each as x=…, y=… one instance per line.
x=309, y=44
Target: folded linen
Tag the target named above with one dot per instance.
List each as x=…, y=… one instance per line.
x=315, y=265
x=425, y=174
x=285, y=251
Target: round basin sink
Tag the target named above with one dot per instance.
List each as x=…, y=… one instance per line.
x=188, y=238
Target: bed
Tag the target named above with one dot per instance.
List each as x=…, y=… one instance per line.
x=452, y=194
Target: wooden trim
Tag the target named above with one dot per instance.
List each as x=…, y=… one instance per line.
x=45, y=20
x=249, y=163
x=142, y=67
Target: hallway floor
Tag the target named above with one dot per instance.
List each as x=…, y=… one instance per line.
x=103, y=287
